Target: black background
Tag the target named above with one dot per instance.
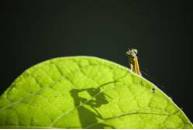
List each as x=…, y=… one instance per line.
x=33, y=31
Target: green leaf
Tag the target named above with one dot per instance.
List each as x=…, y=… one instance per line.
x=86, y=92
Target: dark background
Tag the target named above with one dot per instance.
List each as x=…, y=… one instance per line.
x=33, y=31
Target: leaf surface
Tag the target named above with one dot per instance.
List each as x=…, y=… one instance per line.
x=86, y=92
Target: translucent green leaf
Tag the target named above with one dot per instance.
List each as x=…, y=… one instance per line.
x=86, y=92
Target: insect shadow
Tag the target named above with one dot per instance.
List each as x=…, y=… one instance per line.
x=87, y=116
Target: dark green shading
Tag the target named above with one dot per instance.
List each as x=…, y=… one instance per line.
x=87, y=116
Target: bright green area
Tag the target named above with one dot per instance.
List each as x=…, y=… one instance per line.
x=86, y=92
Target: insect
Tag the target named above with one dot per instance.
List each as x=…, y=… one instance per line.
x=133, y=61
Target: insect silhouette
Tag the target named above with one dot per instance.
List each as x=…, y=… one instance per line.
x=88, y=115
